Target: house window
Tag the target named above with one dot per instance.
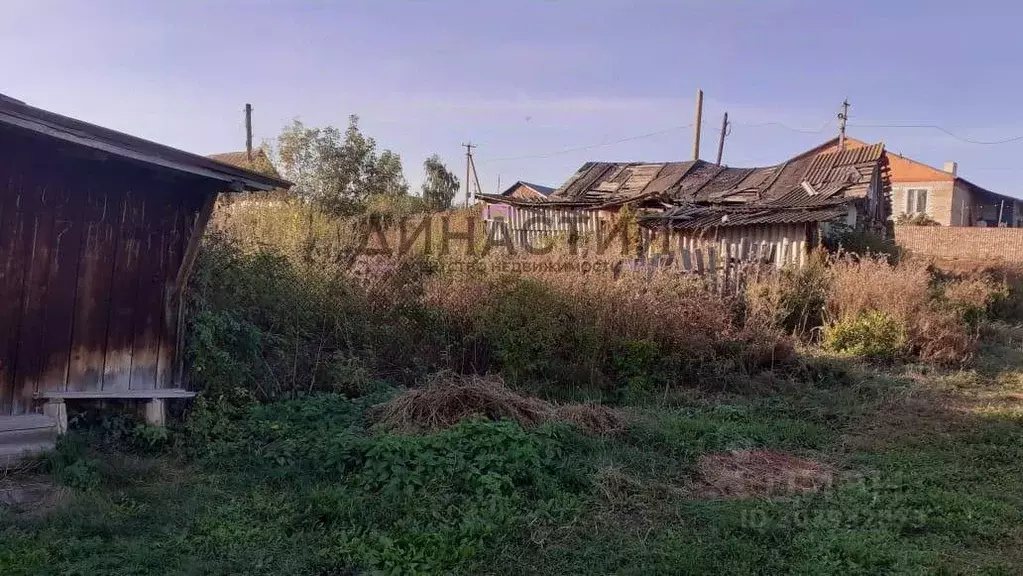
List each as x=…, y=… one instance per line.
x=916, y=201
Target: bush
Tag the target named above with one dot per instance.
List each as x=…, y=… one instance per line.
x=792, y=299
x=262, y=322
x=918, y=219
x=873, y=334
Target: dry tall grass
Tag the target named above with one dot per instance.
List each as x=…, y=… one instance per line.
x=859, y=285
x=939, y=317
x=578, y=317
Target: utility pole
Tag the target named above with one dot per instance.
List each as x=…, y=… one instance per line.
x=248, y=131
x=475, y=177
x=721, y=138
x=468, y=165
x=699, y=123
x=842, y=117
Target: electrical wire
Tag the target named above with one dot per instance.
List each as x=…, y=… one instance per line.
x=787, y=127
x=940, y=129
x=748, y=125
x=588, y=147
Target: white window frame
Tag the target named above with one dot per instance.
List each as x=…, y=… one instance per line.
x=911, y=201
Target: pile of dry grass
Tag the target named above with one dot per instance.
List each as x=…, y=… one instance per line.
x=591, y=418
x=448, y=398
x=760, y=474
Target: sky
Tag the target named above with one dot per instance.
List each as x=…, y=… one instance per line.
x=539, y=86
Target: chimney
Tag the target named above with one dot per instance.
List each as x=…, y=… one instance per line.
x=248, y=131
x=951, y=167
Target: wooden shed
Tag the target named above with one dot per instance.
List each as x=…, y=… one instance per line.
x=98, y=233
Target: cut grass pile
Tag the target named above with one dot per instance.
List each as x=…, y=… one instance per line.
x=449, y=398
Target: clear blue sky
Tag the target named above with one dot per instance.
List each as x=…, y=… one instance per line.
x=525, y=78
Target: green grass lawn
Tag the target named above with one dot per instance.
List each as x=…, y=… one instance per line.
x=929, y=479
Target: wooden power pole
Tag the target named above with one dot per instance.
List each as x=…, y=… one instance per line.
x=699, y=124
x=721, y=137
x=248, y=131
x=842, y=117
x=468, y=166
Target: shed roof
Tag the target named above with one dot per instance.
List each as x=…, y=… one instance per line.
x=18, y=115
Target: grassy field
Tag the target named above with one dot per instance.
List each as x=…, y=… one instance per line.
x=924, y=474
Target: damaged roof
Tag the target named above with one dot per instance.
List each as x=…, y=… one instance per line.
x=806, y=188
x=695, y=216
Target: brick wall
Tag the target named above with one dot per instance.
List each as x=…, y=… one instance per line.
x=955, y=243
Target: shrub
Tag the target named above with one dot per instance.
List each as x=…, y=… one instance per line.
x=918, y=219
x=873, y=334
x=263, y=322
x=863, y=243
x=792, y=299
x=863, y=284
x=936, y=315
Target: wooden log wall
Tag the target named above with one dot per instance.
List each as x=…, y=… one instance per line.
x=90, y=252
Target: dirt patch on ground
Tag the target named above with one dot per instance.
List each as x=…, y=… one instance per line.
x=32, y=495
x=449, y=398
x=760, y=474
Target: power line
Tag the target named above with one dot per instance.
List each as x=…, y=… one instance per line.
x=820, y=130
x=940, y=129
x=650, y=135
x=591, y=146
x=785, y=126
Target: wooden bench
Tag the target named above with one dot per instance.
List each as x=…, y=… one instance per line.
x=155, y=412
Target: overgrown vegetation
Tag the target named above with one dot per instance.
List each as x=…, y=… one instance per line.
x=854, y=416
x=856, y=473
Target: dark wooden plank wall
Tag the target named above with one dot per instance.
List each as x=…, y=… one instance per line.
x=89, y=254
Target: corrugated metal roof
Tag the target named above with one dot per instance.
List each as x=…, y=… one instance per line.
x=696, y=216
x=19, y=115
x=849, y=163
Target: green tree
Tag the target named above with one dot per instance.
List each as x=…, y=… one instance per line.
x=338, y=171
x=440, y=185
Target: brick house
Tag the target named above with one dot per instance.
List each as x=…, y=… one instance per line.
x=527, y=190
x=942, y=194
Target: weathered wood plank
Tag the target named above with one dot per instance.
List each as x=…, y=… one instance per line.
x=151, y=294
x=174, y=246
x=12, y=270
x=101, y=220
x=116, y=394
x=61, y=286
x=39, y=198
x=124, y=289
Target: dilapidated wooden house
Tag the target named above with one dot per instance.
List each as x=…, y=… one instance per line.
x=98, y=232
x=781, y=210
